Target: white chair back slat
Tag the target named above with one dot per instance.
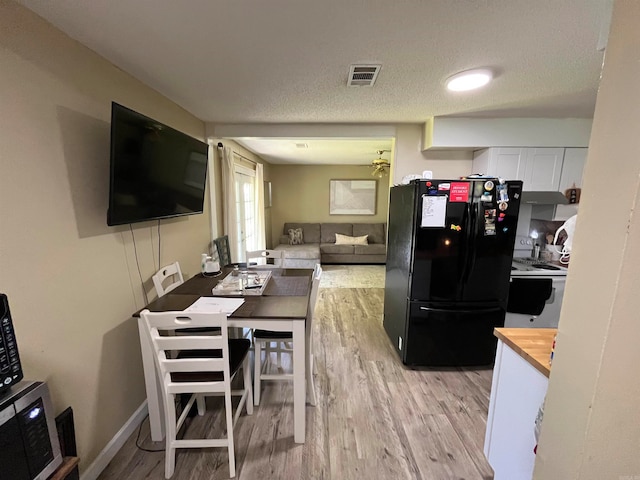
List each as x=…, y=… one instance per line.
x=172, y=273
x=174, y=365
x=182, y=342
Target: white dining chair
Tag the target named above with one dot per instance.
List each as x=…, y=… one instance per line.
x=261, y=258
x=265, y=337
x=204, y=365
x=167, y=278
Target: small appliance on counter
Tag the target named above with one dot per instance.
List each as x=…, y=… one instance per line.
x=29, y=445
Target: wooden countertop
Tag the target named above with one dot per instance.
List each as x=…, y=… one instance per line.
x=532, y=344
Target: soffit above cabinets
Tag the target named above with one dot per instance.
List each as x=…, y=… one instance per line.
x=457, y=133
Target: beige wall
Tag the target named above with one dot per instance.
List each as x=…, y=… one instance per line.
x=301, y=194
x=73, y=282
x=410, y=159
x=592, y=415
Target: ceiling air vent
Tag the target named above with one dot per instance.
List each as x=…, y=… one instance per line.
x=363, y=75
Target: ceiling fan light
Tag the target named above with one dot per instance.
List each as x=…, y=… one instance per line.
x=469, y=80
x=379, y=171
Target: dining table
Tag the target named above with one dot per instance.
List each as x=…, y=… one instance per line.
x=281, y=305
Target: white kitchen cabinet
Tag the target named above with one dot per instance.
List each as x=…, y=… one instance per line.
x=572, y=167
x=543, y=169
x=517, y=392
x=538, y=168
x=572, y=170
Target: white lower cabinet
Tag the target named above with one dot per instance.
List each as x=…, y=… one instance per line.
x=517, y=392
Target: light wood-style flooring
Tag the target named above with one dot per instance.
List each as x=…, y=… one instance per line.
x=375, y=418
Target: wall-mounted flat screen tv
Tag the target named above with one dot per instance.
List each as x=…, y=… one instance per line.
x=156, y=171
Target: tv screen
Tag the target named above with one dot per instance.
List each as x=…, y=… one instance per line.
x=156, y=171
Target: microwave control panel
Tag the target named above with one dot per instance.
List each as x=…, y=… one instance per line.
x=10, y=368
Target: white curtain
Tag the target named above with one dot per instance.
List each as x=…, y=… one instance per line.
x=259, y=206
x=213, y=208
x=229, y=201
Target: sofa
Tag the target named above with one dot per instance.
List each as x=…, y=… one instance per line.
x=319, y=244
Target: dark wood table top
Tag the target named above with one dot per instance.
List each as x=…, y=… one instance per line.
x=283, y=282
x=285, y=296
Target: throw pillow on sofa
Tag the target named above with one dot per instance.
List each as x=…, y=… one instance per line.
x=347, y=240
x=295, y=236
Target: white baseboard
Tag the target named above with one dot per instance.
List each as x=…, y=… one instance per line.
x=94, y=470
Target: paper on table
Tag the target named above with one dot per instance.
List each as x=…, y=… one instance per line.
x=434, y=209
x=215, y=305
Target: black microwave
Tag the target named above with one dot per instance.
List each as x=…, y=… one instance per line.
x=29, y=445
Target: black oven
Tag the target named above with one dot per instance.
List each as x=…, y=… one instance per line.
x=29, y=445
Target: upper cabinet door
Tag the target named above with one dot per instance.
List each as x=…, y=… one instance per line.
x=543, y=169
x=572, y=168
x=509, y=163
x=538, y=168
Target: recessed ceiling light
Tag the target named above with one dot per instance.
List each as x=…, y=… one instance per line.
x=469, y=80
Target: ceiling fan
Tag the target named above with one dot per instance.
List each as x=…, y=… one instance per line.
x=380, y=165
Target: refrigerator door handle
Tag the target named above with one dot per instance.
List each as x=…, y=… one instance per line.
x=473, y=231
x=466, y=220
x=473, y=310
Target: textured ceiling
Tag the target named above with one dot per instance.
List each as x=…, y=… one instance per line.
x=287, y=61
x=359, y=151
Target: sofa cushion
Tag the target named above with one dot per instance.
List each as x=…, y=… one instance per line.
x=310, y=231
x=295, y=236
x=328, y=231
x=336, y=249
x=371, y=249
x=374, y=230
x=347, y=240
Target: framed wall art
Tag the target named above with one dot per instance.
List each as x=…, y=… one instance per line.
x=352, y=197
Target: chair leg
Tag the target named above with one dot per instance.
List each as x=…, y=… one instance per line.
x=311, y=388
x=257, y=366
x=267, y=353
x=170, y=433
x=246, y=383
x=202, y=406
x=229, y=416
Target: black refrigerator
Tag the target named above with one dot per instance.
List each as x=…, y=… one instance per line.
x=450, y=246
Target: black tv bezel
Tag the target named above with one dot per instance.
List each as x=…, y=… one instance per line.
x=110, y=222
